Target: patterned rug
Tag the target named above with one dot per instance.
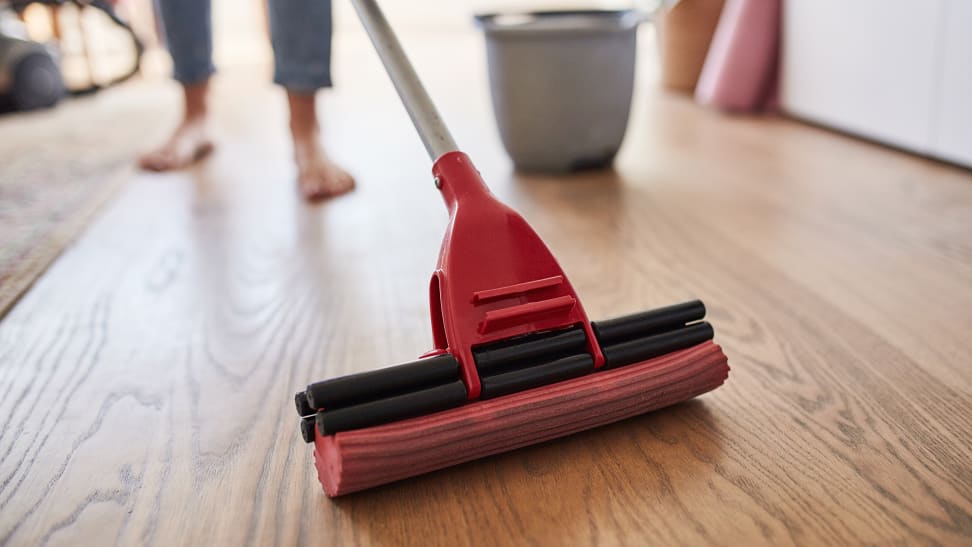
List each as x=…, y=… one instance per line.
x=57, y=167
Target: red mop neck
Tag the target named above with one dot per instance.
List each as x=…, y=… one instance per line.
x=495, y=278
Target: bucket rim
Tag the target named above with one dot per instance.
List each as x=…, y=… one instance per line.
x=572, y=22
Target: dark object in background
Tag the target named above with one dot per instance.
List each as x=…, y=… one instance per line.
x=30, y=72
x=30, y=76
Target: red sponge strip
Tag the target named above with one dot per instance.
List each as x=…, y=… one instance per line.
x=364, y=458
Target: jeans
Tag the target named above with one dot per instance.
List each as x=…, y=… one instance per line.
x=300, y=32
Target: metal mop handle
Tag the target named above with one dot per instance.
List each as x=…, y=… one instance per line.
x=433, y=131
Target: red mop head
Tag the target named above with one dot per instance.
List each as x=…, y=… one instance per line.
x=516, y=361
x=355, y=460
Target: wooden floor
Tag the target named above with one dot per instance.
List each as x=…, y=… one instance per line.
x=146, y=380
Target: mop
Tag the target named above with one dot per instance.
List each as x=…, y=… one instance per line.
x=515, y=360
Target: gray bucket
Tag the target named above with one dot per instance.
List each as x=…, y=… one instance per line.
x=561, y=84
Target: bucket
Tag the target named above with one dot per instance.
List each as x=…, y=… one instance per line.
x=561, y=84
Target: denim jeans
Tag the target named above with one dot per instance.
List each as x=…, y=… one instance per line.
x=300, y=32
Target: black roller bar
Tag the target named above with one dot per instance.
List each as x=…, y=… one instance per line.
x=307, y=428
x=430, y=385
x=648, y=347
x=382, y=383
x=535, y=376
x=629, y=327
x=303, y=406
x=398, y=407
x=528, y=350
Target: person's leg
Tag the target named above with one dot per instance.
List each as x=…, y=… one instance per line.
x=188, y=33
x=300, y=31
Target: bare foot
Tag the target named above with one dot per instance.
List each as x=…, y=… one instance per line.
x=188, y=144
x=319, y=178
x=190, y=141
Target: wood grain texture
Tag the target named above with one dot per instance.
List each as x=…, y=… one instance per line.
x=146, y=380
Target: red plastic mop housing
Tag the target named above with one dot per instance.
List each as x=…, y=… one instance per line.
x=515, y=360
x=496, y=278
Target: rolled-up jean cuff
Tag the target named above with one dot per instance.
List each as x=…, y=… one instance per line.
x=194, y=75
x=306, y=79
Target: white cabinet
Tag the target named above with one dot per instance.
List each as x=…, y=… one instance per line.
x=952, y=135
x=897, y=71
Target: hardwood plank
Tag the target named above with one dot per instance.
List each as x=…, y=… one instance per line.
x=146, y=379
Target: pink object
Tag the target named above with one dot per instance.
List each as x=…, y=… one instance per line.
x=740, y=67
x=355, y=460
